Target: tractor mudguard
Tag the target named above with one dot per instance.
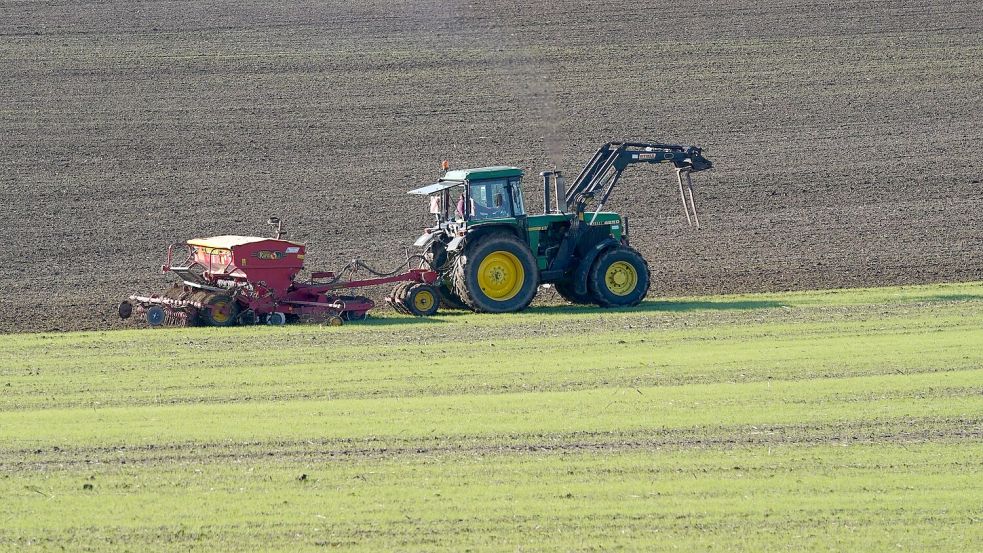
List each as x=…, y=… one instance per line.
x=479, y=233
x=425, y=239
x=455, y=244
x=579, y=276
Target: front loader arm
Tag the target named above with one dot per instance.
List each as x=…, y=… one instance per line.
x=601, y=174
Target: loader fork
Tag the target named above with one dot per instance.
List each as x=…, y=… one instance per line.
x=691, y=207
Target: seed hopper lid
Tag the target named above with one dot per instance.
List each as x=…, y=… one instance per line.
x=227, y=242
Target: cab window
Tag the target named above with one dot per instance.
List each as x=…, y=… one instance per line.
x=490, y=199
x=515, y=185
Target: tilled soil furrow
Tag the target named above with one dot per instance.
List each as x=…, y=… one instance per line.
x=907, y=431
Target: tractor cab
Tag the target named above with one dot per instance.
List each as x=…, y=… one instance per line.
x=466, y=196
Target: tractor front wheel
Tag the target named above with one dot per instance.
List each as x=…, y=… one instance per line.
x=497, y=274
x=619, y=278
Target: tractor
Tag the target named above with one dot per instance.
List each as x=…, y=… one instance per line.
x=492, y=256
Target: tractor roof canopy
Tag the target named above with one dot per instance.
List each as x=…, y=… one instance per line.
x=458, y=176
x=481, y=173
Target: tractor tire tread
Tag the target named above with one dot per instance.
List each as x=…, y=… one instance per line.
x=595, y=278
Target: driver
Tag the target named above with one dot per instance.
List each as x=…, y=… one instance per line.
x=476, y=208
x=459, y=211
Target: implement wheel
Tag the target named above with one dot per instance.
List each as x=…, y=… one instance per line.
x=421, y=300
x=620, y=277
x=496, y=274
x=355, y=315
x=156, y=315
x=220, y=310
x=248, y=317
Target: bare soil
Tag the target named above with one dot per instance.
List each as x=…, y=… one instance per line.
x=846, y=138
x=854, y=433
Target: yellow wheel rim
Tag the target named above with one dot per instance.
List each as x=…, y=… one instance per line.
x=501, y=276
x=423, y=300
x=221, y=311
x=621, y=278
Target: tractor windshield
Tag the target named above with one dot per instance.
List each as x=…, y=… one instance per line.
x=493, y=198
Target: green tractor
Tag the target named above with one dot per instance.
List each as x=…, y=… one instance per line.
x=492, y=256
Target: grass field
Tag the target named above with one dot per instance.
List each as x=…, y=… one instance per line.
x=843, y=420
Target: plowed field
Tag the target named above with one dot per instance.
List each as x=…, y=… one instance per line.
x=846, y=138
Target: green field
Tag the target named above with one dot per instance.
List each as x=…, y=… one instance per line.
x=843, y=420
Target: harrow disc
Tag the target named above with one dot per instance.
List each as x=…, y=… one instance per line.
x=398, y=297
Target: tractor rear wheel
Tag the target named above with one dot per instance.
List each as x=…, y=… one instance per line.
x=496, y=274
x=220, y=310
x=619, y=278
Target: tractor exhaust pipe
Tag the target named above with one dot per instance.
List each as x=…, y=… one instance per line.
x=547, y=203
x=560, y=191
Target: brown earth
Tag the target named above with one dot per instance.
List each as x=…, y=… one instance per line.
x=846, y=138
x=724, y=437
